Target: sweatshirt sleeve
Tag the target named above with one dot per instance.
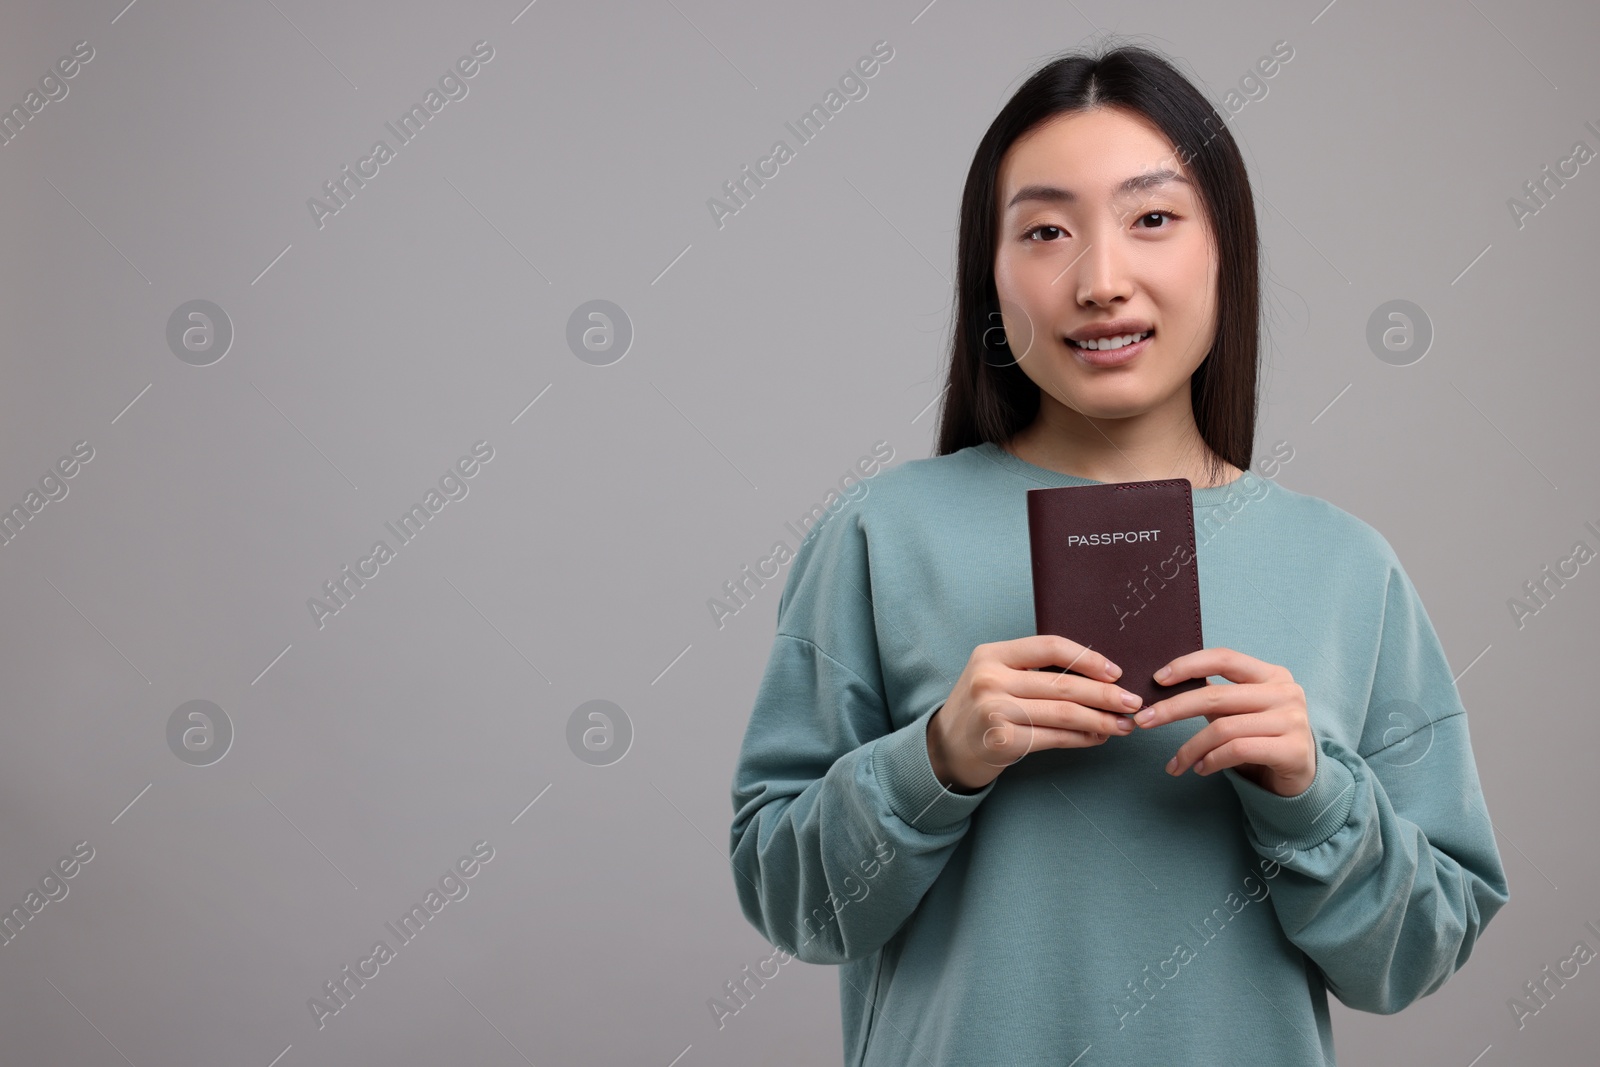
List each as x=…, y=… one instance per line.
x=840, y=825
x=1389, y=869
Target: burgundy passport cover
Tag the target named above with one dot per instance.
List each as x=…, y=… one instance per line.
x=1114, y=569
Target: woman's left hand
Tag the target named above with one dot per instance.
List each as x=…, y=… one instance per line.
x=1259, y=725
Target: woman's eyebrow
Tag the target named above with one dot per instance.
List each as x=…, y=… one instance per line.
x=1053, y=194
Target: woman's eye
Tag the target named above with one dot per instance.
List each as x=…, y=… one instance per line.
x=1156, y=215
x=1041, y=229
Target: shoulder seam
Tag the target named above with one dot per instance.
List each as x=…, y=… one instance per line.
x=1429, y=724
x=840, y=664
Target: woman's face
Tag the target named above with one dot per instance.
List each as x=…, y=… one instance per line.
x=1100, y=226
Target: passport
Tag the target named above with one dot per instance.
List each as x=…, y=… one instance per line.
x=1114, y=568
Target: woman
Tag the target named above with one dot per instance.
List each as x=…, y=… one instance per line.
x=1008, y=866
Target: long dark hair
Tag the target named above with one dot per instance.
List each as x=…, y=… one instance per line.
x=991, y=399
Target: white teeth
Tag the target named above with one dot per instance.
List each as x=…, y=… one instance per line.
x=1105, y=343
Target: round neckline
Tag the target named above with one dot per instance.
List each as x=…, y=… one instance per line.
x=1205, y=496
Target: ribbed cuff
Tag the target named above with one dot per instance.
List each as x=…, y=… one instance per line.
x=905, y=773
x=1304, y=821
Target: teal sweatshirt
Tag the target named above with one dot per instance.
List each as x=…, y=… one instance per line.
x=1086, y=907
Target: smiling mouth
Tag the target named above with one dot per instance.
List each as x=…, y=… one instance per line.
x=1110, y=344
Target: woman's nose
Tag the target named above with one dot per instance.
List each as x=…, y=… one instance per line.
x=1102, y=274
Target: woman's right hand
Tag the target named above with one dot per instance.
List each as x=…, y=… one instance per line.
x=999, y=710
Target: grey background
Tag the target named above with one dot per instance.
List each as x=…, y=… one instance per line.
x=768, y=356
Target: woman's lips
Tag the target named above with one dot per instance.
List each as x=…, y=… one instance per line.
x=1112, y=358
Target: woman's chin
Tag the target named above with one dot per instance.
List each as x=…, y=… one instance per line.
x=1106, y=400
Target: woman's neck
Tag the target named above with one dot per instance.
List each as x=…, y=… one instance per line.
x=1142, y=448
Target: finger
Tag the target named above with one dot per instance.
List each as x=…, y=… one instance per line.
x=1044, y=714
x=1221, y=699
x=1073, y=715
x=1225, y=731
x=1049, y=650
x=1049, y=737
x=1052, y=685
x=1263, y=750
x=1226, y=662
x=1012, y=730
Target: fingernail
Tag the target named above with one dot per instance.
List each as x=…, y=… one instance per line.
x=1161, y=675
x=1172, y=765
x=1132, y=700
x=1124, y=726
x=1114, y=671
x=1145, y=716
